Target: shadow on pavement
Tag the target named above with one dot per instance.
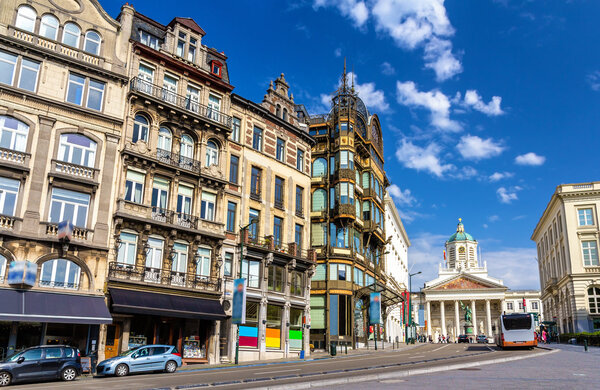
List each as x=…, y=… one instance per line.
x=478, y=348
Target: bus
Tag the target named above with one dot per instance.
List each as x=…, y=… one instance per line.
x=516, y=330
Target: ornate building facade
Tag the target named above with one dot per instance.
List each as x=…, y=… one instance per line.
x=347, y=219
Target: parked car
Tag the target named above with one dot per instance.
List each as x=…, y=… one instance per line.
x=39, y=363
x=463, y=338
x=142, y=359
x=482, y=339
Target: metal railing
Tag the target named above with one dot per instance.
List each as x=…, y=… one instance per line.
x=175, y=218
x=163, y=276
x=138, y=85
x=178, y=160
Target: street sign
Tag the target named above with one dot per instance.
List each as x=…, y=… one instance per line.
x=238, y=312
x=375, y=308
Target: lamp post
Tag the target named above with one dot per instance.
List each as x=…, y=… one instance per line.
x=242, y=236
x=409, y=324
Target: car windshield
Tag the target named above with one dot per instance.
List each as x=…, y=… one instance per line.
x=129, y=352
x=13, y=357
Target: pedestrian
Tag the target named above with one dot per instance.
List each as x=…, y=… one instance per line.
x=544, y=336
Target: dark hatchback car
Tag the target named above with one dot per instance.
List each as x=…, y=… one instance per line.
x=482, y=339
x=45, y=362
x=463, y=338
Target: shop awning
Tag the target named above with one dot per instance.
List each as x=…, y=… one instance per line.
x=142, y=302
x=389, y=297
x=41, y=306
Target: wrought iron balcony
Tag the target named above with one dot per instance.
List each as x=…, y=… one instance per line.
x=255, y=195
x=162, y=276
x=163, y=94
x=269, y=243
x=279, y=204
x=178, y=160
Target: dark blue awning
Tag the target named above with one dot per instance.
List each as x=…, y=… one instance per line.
x=42, y=306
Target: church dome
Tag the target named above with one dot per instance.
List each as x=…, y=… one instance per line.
x=460, y=234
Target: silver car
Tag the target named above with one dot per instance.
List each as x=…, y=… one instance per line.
x=142, y=359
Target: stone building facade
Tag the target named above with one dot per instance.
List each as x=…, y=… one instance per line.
x=62, y=88
x=567, y=238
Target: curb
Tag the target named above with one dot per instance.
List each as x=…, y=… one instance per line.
x=396, y=375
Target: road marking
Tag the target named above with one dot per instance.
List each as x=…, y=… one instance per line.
x=273, y=372
x=418, y=356
x=444, y=346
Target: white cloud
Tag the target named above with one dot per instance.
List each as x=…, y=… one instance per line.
x=435, y=101
x=530, y=159
x=593, y=80
x=356, y=11
x=507, y=195
x=515, y=266
x=472, y=147
x=373, y=98
x=337, y=52
x=464, y=173
x=402, y=198
x=472, y=99
x=439, y=58
x=387, y=69
x=416, y=157
x=493, y=218
x=497, y=176
x=425, y=254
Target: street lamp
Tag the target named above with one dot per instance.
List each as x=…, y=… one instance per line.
x=409, y=323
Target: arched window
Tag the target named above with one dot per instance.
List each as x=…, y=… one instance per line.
x=203, y=258
x=71, y=34
x=319, y=200
x=49, y=27
x=164, y=139
x=594, y=300
x=77, y=149
x=140, y=129
x=319, y=167
x=92, y=42
x=3, y=262
x=26, y=18
x=13, y=134
x=212, y=153
x=187, y=146
x=278, y=111
x=60, y=273
x=285, y=114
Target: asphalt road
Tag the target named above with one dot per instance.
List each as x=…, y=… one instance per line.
x=359, y=363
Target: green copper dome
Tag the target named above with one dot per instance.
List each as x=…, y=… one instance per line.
x=460, y=234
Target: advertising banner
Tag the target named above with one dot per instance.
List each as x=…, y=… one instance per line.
x=375, y=309
x=22, y=273
x=65, y=230
x=238, y=312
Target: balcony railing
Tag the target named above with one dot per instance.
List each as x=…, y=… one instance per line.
x=138, y=85
x=255, y=195
x=269, y=243
x=7, y=222
x=316, y=119
x=77, y=171
x=162, y=276
x=14, y=157
x=279, y=204
x=79, y=233
x=175, y=218
x=178, y=160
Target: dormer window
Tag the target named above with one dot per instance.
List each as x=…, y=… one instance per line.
x=191, y=55
x=181, y=44
x=215, y=68
x=149, y=40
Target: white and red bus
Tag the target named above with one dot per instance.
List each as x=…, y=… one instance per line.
x=516, y=330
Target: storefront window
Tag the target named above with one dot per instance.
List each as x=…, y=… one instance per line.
x=295, y=333
x=273, y=331
x=249, y=331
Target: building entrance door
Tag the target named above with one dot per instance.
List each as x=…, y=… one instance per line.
x=113, y=333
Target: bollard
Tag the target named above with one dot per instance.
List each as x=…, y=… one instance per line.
x=346, y=348
x=585, y=345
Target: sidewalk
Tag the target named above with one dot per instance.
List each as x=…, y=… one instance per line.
x=595, y=351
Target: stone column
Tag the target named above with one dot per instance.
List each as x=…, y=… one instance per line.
x=103, y=199
x=474, y=319
x=489, y=317
x=443, y=315
x=428, y=318
x=262, y=329
x=457, y=319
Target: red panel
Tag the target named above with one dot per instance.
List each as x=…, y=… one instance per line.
x=246, y=341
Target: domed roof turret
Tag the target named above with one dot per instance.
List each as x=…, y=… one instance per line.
x=460, y=234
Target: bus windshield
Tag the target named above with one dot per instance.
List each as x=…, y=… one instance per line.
x=517, y=322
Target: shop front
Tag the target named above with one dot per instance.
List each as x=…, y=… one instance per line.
x=141, y=318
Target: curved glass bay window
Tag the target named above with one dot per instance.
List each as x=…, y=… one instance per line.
x=319, y=168
x=345, y=193
x=60, y=273
x=345, y=159
x=340, y=237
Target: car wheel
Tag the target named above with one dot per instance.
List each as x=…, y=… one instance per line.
x=5, y=378
x=68, y=374
x=170, y=367
x=122, y=370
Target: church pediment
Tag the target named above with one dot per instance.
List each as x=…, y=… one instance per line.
x=464, y=283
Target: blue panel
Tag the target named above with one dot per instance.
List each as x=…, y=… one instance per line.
x=333, y=315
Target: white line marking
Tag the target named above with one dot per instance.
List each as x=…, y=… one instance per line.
x=418, y=356
x=273, y=372
x=444, y=346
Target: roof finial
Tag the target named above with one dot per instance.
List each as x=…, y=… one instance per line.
x=352, y=79
x=460, y=227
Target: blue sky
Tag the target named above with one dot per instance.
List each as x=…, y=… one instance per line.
x=486, y=105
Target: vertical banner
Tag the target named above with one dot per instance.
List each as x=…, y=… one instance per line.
x=238, y=312
x=375, y=309
x=65, y=230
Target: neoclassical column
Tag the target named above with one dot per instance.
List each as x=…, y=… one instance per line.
x=456, y=319
x=489, y=317
x=474, y=319
x=428, y=318
x=443, y=314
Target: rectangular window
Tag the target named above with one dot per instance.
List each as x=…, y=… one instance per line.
x=134, y=186
x=279, y=192
x=280, y=152
x=534, y=305
x=169, y=90
x=214, y=107
x=231, y=210
x=154, y=259
x=277, y=231
x=160, y=195
x=228, y=264
x=299, y=196
x=193, y=98
x=236, y=126
x=209, y=201
x=181, y=44
x=300, y=160
x=184, y=201
x=590, y=253
x=298, y=230
x=203, y=256
x=319, y=234
x=275, y=278
x=251, y=272
x=253, y=220
x=509, y=306
x=69, y=205
x=95, y=95
x=75, y=89
x=191, y=56
x=297, y=284
x=255, y=182
x=149, y=40
x=80, y=86
x=273, y=330
x=127, y=248
x=317, y=311
x=257, y=137
x=234, y=163
x=29, y=74
x=295, y=332
x=520, y=305
x=9, y=191
x=359, y=277
x=8, y=65
x=585, y=217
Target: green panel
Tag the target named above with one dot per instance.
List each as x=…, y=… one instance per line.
x=317, y=318
x=295, y=335
x=317, y=301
